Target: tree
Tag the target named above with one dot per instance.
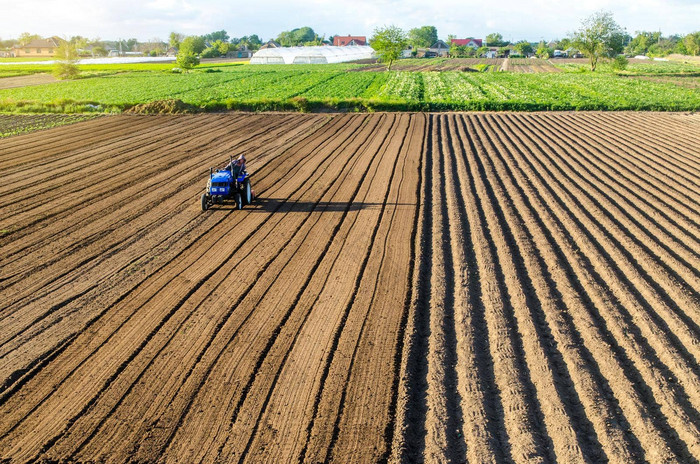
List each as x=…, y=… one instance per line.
x=66, y=66
x=221, y=35
x=190, y=48
x=599, y=36
x=175, y=39
x=297, y=36
x=523, y=48
x=564, y=44
x=216, y=49
x=194, y=44
x=99, y=51
x=494, y=40
x=457, y=50
x=423, y=37
x=252, y=42
x=543, y=51
x=25, y=38
x=640, y=44
x=482, y=51
x=389, y=42
x=304, y=34
x=127, y=45
x=691, y=42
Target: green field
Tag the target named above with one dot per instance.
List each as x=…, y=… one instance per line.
x=211, y=87
x=634, y=67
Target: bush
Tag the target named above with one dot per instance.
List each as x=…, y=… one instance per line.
x=620, y=63
x=187, y=60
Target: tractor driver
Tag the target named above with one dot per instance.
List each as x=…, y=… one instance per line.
x=238, y=166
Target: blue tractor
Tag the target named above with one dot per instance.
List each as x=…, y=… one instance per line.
x=230, y=183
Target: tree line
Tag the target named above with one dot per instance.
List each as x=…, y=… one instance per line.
x=598, y=37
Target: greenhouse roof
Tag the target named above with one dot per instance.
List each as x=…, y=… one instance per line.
x=312, y=55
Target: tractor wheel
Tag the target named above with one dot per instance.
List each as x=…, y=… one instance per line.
x=247, y=195
x=205, y=203
x=239, y=200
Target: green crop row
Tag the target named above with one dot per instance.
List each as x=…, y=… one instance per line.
x=311, y=87
x=19, y=124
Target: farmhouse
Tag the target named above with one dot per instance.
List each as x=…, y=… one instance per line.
x=342, y=41
x=270, y=44
x=470, y=42
x=439, y=48
x=38, y=48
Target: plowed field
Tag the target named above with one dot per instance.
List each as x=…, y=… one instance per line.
x=408, y=287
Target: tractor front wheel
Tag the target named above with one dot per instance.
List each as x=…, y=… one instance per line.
x=205, y=202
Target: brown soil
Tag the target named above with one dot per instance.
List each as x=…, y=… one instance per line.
x=407, y=288
x=24, y=81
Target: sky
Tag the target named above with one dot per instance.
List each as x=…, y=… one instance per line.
x=515, y=20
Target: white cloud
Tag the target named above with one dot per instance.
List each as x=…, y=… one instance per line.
x=111, y=19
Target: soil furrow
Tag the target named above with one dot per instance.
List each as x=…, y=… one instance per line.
x=643, y=278
x=454, y=287
x=613, y=315
x=289, y=186
x=665, y=133
x=154, y=446
x=570, y=440
x=665, y=269
x=615, y=150
x=682, y=215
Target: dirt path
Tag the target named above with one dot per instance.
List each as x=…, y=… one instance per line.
x=407, y=288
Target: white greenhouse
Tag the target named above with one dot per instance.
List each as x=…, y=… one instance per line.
x=312, y=55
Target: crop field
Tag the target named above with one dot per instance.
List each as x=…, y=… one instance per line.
x=13, y=124
x=635, y=66
x=424, y=85
x=439, y=64
x=407, y=287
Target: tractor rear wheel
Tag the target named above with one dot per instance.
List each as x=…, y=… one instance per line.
x=205, y=202
x=239, y=200
x=247, y=196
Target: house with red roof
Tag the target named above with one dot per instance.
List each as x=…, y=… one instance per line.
x=343, y=40
x=470, y=42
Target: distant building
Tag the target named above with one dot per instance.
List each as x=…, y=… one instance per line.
x=439, y=48
x=470, y=42
x=38, y=48
x=270, y=44
x=242, y=52
x=342, y=41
